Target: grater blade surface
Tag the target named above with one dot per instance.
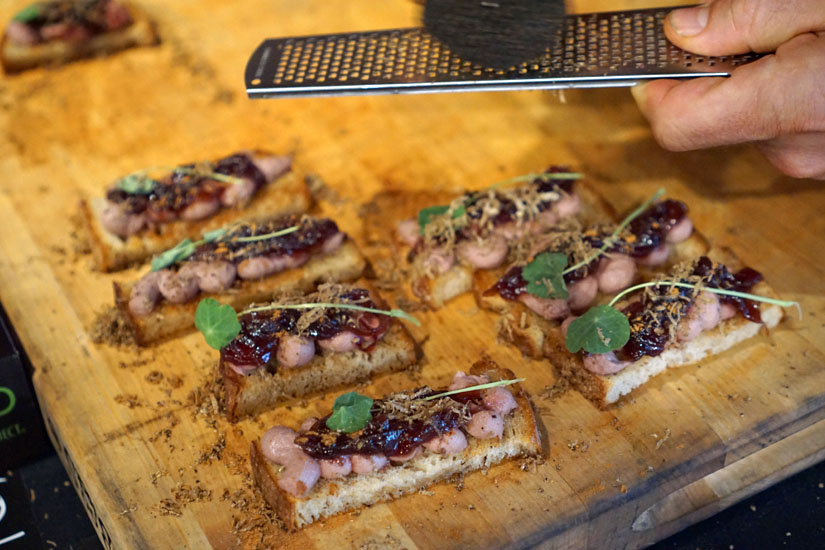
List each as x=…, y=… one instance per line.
x=606, y=49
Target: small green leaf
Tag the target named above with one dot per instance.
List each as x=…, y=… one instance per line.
x=218, y=323
x=460, y=211
x=181, y=251
x=426, y=215
x=601, y=329
x=350, y=413
x=214, y=235
x=28, y=14
x=136, y=183
x=544, y=275
x=401, y=314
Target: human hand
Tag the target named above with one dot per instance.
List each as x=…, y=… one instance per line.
x=777, y=102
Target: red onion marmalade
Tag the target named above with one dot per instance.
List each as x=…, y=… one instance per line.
x=387, y=434
x=180, y=189
x=649, y=231
x=649, y=327
x=311, y=235
x=257, y=343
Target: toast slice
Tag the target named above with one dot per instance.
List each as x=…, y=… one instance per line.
x=286, y=195
x=605, y=390
x=18, y=57
x=529, y=332
x=329, y=497
x=437, y=290
x=167, y=319
x=262, y=390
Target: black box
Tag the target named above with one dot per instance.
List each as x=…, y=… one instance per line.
x=22, y=435
x=18, y=529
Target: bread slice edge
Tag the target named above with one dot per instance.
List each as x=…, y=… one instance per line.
x=17, y=57
x=344, y=264
x=261, y=390
x=331, y=497
x=286, y=195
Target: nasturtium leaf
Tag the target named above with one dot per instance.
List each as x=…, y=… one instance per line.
x=426, y=215
x=28, y=14
x=600, y=330
x=214, y=235
x=350, y=413
x=181, y=251
x=218, y=323
x=545, y=275
x=136, y=184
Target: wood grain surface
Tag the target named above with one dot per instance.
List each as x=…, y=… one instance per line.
x=158, y=468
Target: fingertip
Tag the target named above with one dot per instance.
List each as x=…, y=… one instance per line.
x=702, y=30
x=639, y=92
x=649, y=95
x=688, y=22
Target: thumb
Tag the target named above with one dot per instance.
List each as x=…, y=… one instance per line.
x=727, y=27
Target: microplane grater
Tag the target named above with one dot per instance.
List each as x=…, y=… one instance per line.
x=593, y=50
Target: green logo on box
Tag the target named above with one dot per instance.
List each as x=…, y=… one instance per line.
x=12, y=401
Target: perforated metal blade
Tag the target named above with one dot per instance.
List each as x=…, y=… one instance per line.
x=590, y=50
x=495, y=33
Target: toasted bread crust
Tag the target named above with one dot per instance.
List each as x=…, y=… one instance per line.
x=167, y=319
x=605, y=390
x=537, y=337
x=261, y=390
x=459, y=279
x=280, y=501
x=286, y=195
x=521, y=438
x=17, y=57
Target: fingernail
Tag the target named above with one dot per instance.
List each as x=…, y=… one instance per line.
x=689, y=21
x=639, y=93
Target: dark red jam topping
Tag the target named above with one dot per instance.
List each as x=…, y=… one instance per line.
x=511, y=286
x=257, y=342
x=387, y=434
x=651, y=228
x=311, y=236
x=89, y=14
x=180, y=189
x=650, y=326
x=649, y=231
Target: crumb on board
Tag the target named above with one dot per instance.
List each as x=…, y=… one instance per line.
x=207, y=399
x=661, y=441
x=213, y=453
x=168, y=507
x=157, y=475
x=185, y=494
x=531, y=463
x=560, y=386
x=110, y=327
x=129, y=399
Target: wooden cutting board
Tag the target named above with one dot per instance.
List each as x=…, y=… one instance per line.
x=158, y=468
